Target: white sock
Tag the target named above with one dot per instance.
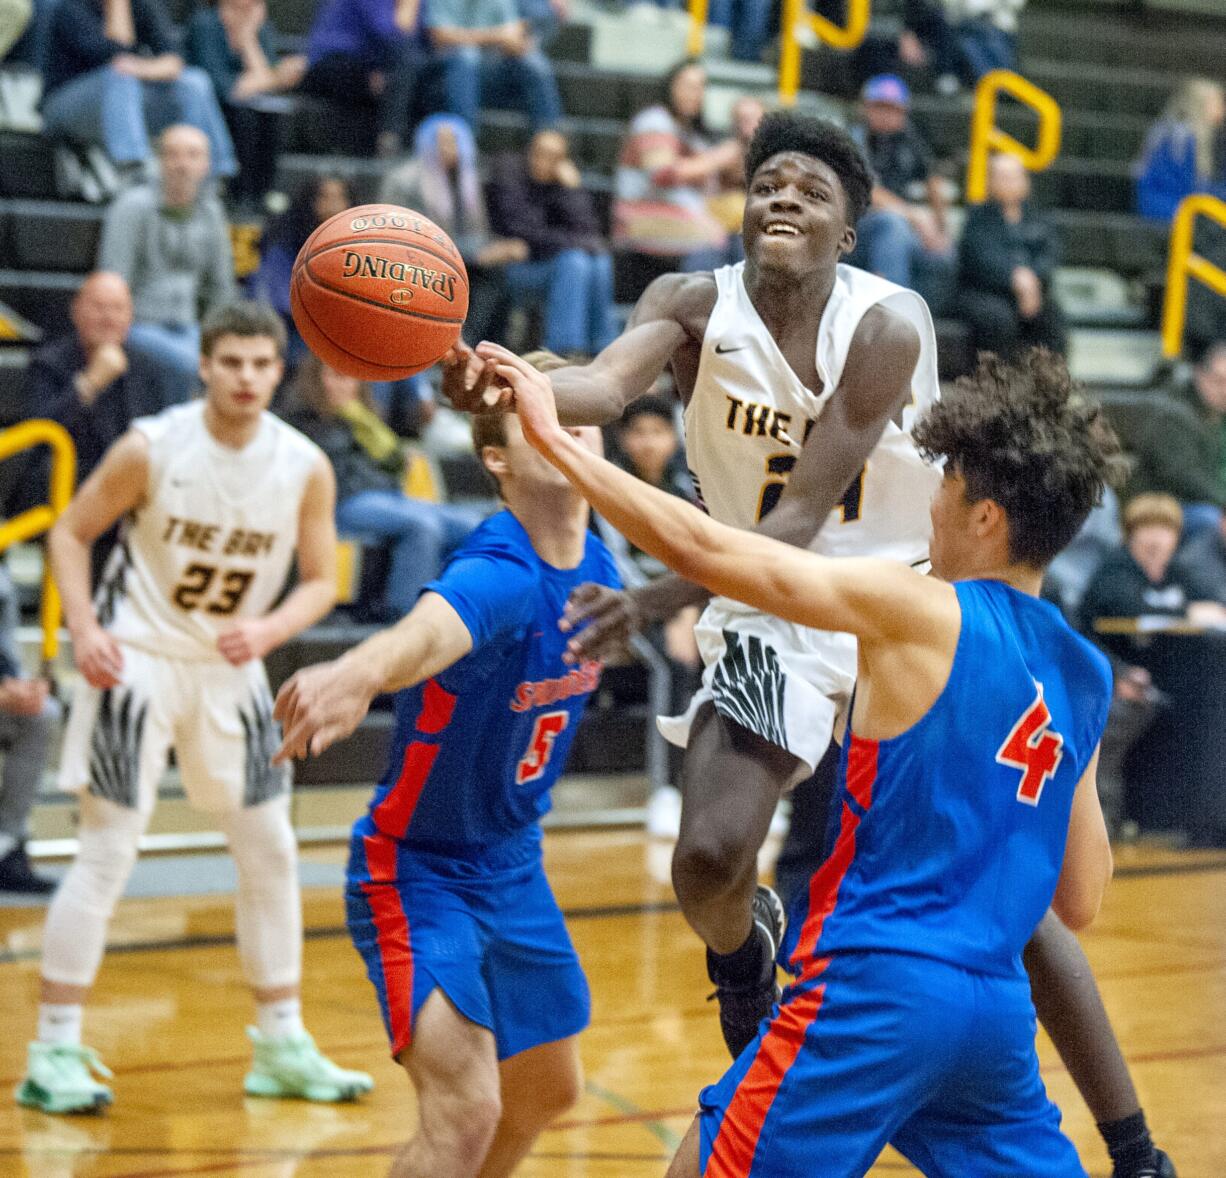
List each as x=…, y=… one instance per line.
x=60, y=1024
x=281, y=1019
x=7, y=843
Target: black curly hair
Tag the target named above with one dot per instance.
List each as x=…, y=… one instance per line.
x=784, y=131
x=1025, y=436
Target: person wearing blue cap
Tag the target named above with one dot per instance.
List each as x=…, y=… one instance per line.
x=907, y=243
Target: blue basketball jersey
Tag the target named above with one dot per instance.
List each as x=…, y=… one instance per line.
x=478, y=747
x=947, y=841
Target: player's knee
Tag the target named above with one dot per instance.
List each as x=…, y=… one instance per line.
x=708, y=857
x=471, y=1122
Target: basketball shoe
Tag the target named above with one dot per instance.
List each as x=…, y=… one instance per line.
x=58, y=1079
x=743, y=1005
x=293, y=1066
x=1164, y=1169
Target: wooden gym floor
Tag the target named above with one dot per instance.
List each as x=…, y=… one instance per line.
x=170, y=1008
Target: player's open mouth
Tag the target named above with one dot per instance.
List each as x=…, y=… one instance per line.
x=780, y=229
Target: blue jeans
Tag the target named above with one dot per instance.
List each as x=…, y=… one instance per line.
x=578, y=291
x=749, y=23
x=472, y=79
x=887, y=246
x=178, y=344
x=984, y=48
x=123, y=114
x=421, y=536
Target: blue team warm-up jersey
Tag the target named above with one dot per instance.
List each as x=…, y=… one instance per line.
x=948, y=840
x=478, y=747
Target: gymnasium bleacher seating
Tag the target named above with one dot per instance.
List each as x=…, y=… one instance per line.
x=1106, y=68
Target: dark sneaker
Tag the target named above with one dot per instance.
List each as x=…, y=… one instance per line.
x=16, y=875
x=1165, y=1169
x=743, y=1006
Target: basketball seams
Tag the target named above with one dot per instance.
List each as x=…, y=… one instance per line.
x=388, y=371
x=324, y=284
x=460, y=271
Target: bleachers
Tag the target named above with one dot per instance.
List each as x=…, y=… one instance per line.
x=1111, y=72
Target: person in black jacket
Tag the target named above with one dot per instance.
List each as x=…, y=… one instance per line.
x=1006, y=260
x=112, y=77
x=538, y=198
x=95, y=384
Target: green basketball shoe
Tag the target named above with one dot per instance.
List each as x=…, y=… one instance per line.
x=295, y=1067
x=58, y=1079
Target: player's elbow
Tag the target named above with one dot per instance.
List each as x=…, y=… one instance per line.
x=1080, y=894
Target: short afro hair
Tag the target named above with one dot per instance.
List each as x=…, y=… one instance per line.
x=784, y=131
x=1025, y=436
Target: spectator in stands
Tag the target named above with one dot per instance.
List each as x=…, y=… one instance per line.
x=728, y=203
x=1182, y=156
x=172, y=245
x=1008, y=254
x=94, y=382
x=1182, y=150
x=236, y=45
x=986, y=35
x=666, y=174
x=748, y=23
x=538, y=197
x=1202, y=563
x=112, y=77
x=906, y=242
x=649, y=447
x=335, y=412
x=1183, y=453
x=318, y=198
x=490, y=58
x=28, y=715
x=14, y=19
x=1142, y=580
x=441, y=180
x=370, y=53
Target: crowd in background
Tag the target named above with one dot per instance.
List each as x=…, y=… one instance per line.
x=193, y=128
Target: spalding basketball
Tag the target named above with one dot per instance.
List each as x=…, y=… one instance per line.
x=379, y=292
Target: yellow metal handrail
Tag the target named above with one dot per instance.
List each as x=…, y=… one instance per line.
x=1183, y=264
x=987, y=137
x=795, y=15
x=39, y=519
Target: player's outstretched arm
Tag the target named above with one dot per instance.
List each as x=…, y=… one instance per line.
x=598, y=392
x=117, y=485
x=320, y=705
x=873, y=599
x=1087, y=855
x=315, y=593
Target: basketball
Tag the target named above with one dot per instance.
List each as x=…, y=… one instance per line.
x=379, y=292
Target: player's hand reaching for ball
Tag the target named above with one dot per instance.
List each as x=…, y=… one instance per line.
x=98, y=657
x=252, y=638
x=318, y=706
x=532, y=397
x=470, y=383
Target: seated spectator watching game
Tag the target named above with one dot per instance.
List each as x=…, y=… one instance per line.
x=172, y=245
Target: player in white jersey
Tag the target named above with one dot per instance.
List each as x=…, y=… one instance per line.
x=800, y=378
x=217, y=497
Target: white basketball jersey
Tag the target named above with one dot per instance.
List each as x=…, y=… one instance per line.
x=213, y=540
x=749, y=415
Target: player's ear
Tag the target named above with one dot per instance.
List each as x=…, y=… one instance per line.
x=494, y=459
x=847, y=242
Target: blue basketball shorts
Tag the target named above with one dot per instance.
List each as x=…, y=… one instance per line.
x=890, y=1048
x=484, y=928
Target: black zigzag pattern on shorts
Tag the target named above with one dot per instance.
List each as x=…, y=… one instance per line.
x=114, y=585
x=119, y=731
x=748, y=686
x=261, y=734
